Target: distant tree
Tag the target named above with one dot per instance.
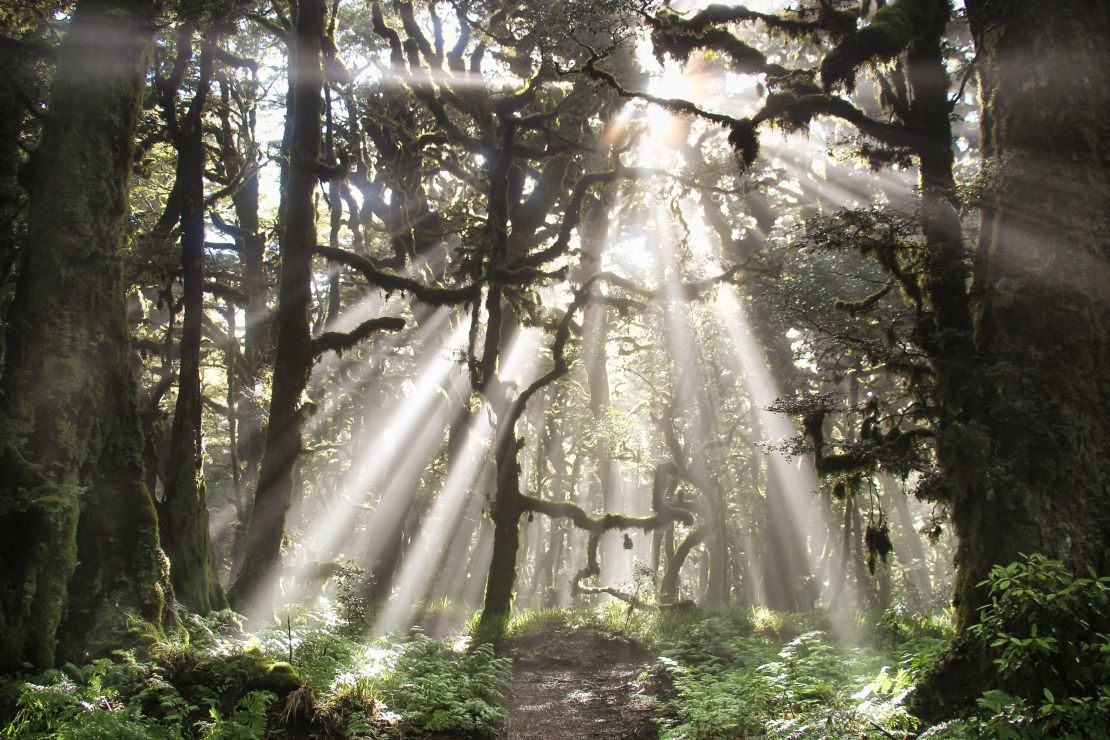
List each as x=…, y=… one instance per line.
x=183, y=512
x=295, y=350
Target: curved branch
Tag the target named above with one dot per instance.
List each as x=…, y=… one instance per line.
x=340, y=341
x=431, y=295
x=890, y=32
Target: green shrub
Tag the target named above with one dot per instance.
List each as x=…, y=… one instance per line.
x=321, y=655
x=438, y=690
x=732, y=675
x=248, y=720
x=83, y=705
x=1048, y=633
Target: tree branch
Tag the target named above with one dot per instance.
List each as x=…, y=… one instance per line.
x=338, y=341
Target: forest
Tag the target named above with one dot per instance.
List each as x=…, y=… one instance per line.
x=554, y=369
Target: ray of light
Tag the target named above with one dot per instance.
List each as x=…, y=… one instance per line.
x=401, y=419
x=797, y=480
x=415, y=573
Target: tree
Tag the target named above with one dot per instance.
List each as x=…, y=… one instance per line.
x=1028, y=469
x=183, y=512
x=296, y=350
x=81, y=549
x=1012, y=336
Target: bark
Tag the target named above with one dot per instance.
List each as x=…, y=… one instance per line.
x=505, y=512
x=1043, y=290
x=81, y=552
x=12, y=198
x=183, y=513
x=1026, y=464
x=293, y=353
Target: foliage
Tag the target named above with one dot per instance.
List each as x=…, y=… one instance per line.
x=755, y=673
x=56, y=705
x=321, y=655
x=439, y=690
x=352, y=584
x=1048, y=633
x=248, y=720
x=222, y=683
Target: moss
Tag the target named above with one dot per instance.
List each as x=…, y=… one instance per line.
x=83, y=517
x=744, y=141
x=280, y=678
x=891, y=31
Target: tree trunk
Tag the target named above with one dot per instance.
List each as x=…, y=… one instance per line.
x=80, y=551
x=1027, y=469
x=183, y=513
x=12, y=115
x=250, y=415
x=1043, y=288
x=293, y=354
x=505, y=512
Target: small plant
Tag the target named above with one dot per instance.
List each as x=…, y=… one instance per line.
x=248, y=719
x=352, y=585
x=353, y=706
x=321, y=655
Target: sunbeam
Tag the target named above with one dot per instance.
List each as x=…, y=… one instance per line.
x=416, y=569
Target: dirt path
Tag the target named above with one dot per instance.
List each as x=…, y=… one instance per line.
x=578, y=683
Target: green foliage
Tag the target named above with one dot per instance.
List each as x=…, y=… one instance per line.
x=86, y=703
x=614, y=618
x=247, y=721
x=353, y=705
x=352, y=586
x=222, y=683
x=438, y=690
x=755, y=673
x=321, y=655
x=1048, y=633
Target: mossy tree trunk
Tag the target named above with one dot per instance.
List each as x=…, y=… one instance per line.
x=1042, y=288
x=80, y=552
x=505, y=510
x=12, y=115
x=1028, y=469
x=183, y=514
x=293, y=353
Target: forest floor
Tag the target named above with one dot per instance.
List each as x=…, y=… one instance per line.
x=578, y=682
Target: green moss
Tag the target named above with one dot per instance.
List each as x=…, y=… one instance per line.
x=280, y=678
x=891, y=31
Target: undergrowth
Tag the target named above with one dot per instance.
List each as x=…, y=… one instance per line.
x=753, y=673
x=313, y=678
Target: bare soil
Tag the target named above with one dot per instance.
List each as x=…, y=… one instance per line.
x=579, y=683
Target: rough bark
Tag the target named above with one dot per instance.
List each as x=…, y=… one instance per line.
x=1027, y=469
x=293, y=353
x=81, y=550
x=12, y=196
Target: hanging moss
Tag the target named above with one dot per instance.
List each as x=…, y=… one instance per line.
x=876, y=540
x=890, y=32
x=744, y=141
